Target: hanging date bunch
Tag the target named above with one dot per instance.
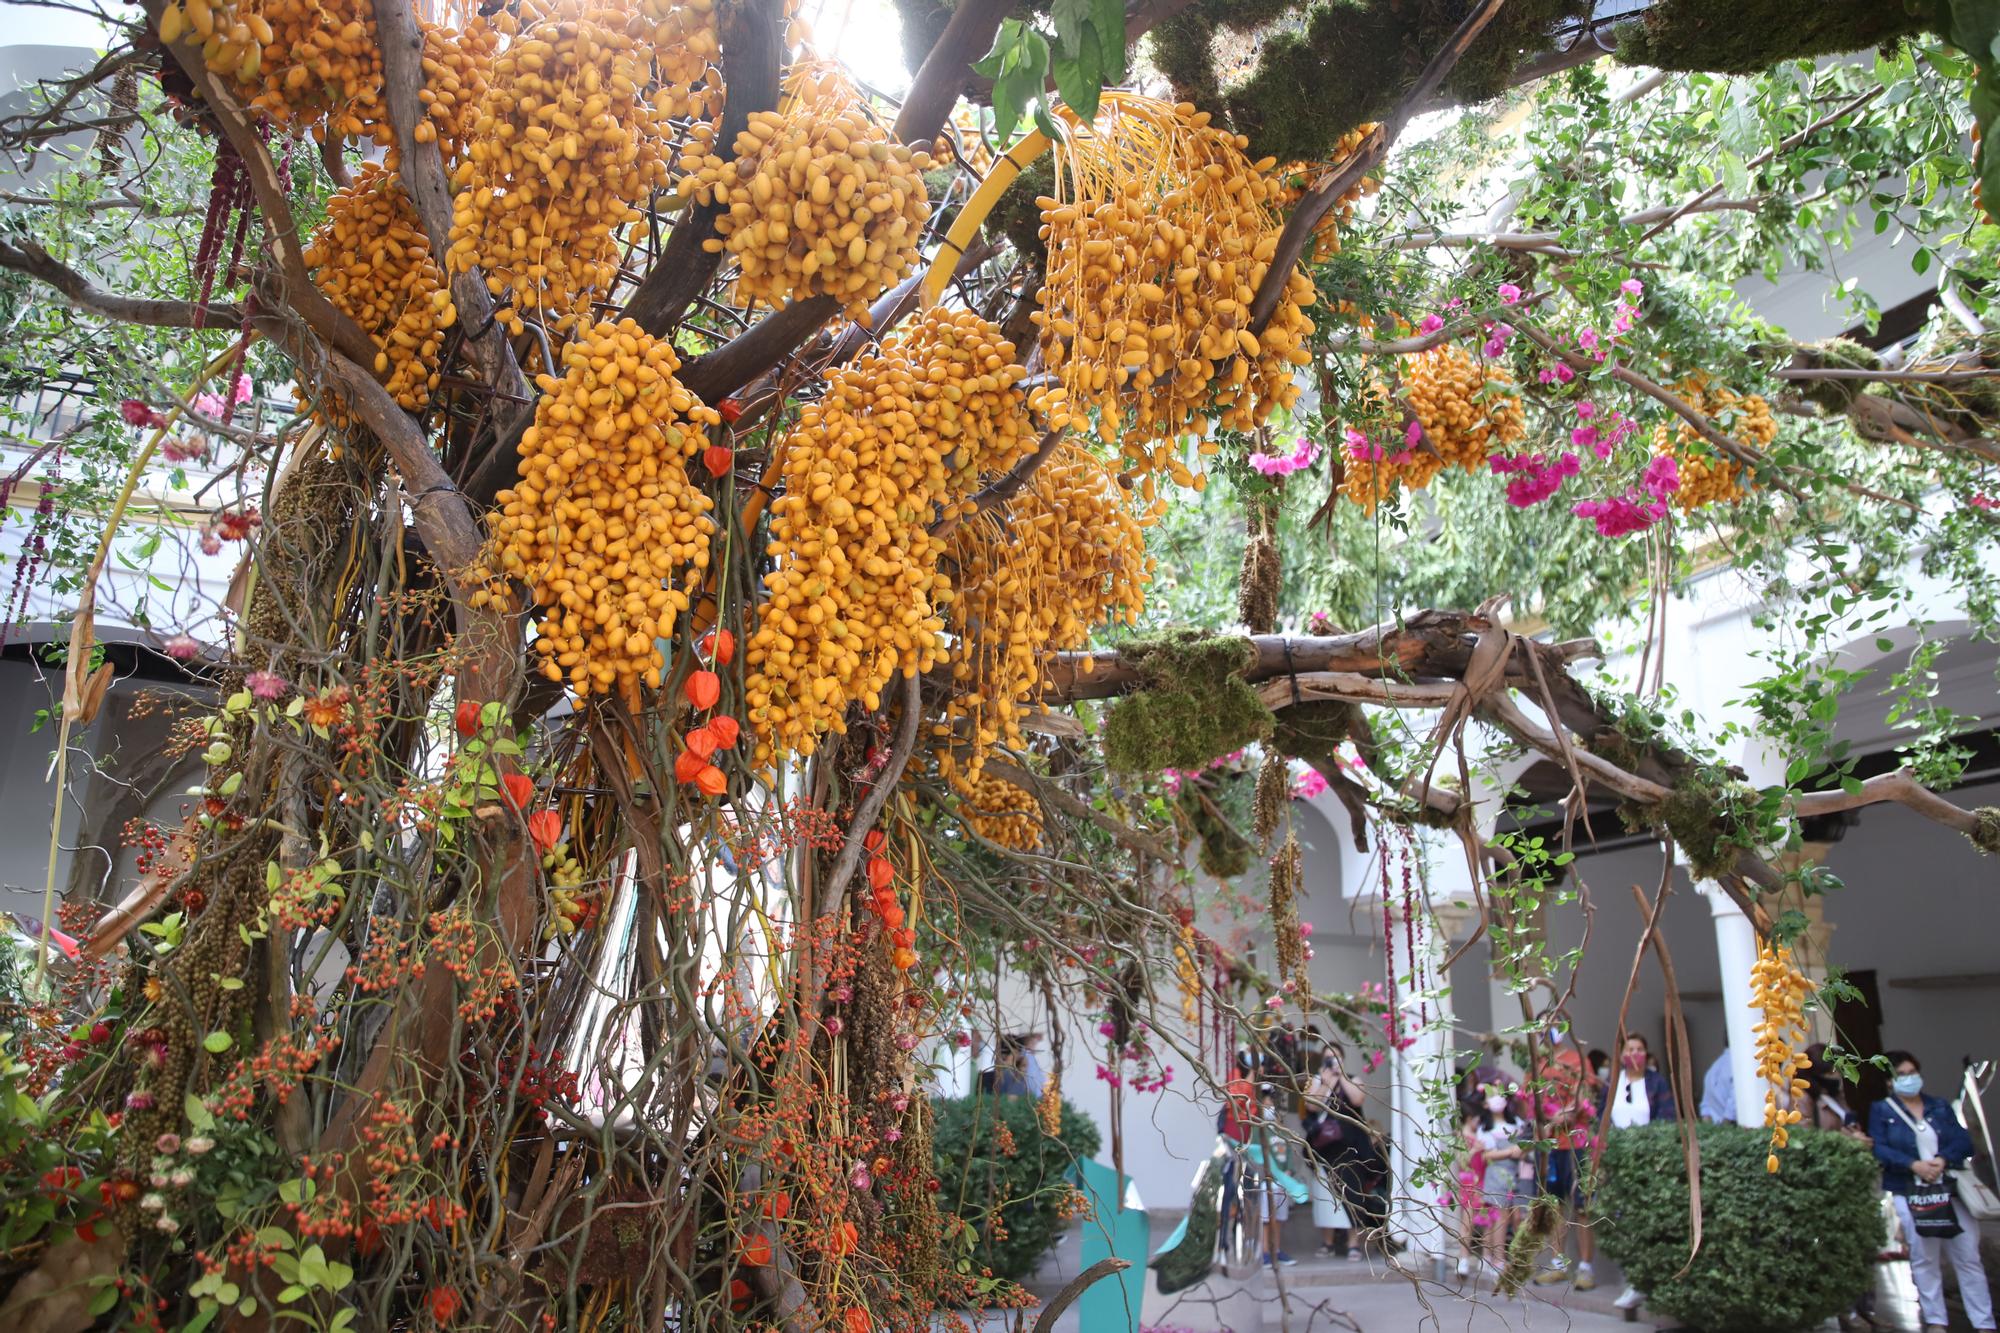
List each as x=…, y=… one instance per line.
x=1159, y=233
x=604, y=525
x=897, y=442
x=372, y=261
x=1706, y=475
x=1779, y=990
x=1064, y=557
x=997, y=810
x=1460, y=410
x=565, y=147
x=1298, y=179
x=821, y=200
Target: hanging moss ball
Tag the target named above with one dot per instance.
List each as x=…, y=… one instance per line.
x=1192, y=705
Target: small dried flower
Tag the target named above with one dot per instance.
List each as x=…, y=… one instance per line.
x=266, y=686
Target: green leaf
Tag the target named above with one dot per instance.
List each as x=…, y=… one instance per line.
x=203, y=1317
x=197, y=1114
x=1851, y=785
x=278, y=1237
x=1070, y=16
x=1043, y=121
x=1108, y=18
x=215, y=1043
x=1076, y=78
x=1735, y=176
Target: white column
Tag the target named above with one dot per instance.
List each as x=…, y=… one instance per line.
x=1420, y=1133
x=1736, y=952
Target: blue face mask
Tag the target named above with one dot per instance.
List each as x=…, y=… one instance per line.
x=1907, y=1085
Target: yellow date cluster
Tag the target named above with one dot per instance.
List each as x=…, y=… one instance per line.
x=998, y=811
x=1063, y=557
x=566, y=145
x=1159, y=234
x=371, y=259
x=1465, y=409
x=852, y=599
x=1779, y=991
x=1707, y=477
x=821, y=200
x=604, y=523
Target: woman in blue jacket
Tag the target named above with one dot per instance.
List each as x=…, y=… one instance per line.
x=1918, y=1140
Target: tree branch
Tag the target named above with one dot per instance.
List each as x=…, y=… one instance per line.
x=31, y=259
x=1899, y=787
x=420, y=167
x=945, y=70
x=751, y=34
x=1305, y=218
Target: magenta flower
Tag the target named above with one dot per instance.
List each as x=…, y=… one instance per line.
x=182, y=648
x=208, y=404
x=1509, y=294
x=1431, y=324
x=1633, y=288
x=266, y=686
x=137, y=413
x=1662, y=476
x=1310, y=784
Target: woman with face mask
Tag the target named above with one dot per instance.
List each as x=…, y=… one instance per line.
x=1496, y=1132
x=1642, y=1094
x=1919, y=1142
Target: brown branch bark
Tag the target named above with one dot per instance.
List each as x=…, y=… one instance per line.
x=1899, y=787
x=943, y=75
x=31, y=259
x=1306, y=215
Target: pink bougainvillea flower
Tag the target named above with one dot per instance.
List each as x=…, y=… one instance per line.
x=1431, y=324
x=1662, y=476
x=1310, y=784
x=1633, y=288
x=1509, y=294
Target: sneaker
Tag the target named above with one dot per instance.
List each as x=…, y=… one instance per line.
x=1326, y=1252
x=1630, y=1299
x=1550, y=1277
x=1264, y=1260
x=1464, y=1267
x=1584, y=1280
x=1287, y=1260
x=1354, y=1255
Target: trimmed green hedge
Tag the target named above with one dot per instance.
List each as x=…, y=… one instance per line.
x=975, y=1177
x=1778, y=1252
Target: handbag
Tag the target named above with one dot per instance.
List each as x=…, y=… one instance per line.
x=1325, y=1132
x=1931, y=1213
x=1982, y=1204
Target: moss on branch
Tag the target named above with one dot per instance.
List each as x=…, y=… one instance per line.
x=1746, y=36
x=1191, y=706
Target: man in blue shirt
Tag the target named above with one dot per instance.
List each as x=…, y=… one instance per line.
x=1718, y=1092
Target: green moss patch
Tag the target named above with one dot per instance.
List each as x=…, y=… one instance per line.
x=1192, y=703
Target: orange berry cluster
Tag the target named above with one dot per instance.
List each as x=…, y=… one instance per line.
x=1464, y=407
x=1159, y=234
x=566, y=145
x=371, y=259
x=852, y=601
x=1779, y=991
x=604, y=520
x=1707, y=476
x=821, y=200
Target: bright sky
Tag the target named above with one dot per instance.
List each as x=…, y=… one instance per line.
x=864, y=35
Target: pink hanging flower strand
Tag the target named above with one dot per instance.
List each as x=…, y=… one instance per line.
x=1284, y=465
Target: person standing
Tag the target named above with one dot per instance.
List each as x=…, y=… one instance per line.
x=1718, y=1091
x=1919, y=1142
x=1497, y=1132
x=1570, y=1086
x=1641, y=1097
x=1331, y=1113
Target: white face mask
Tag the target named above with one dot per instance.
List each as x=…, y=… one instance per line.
x=1907, y=1085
